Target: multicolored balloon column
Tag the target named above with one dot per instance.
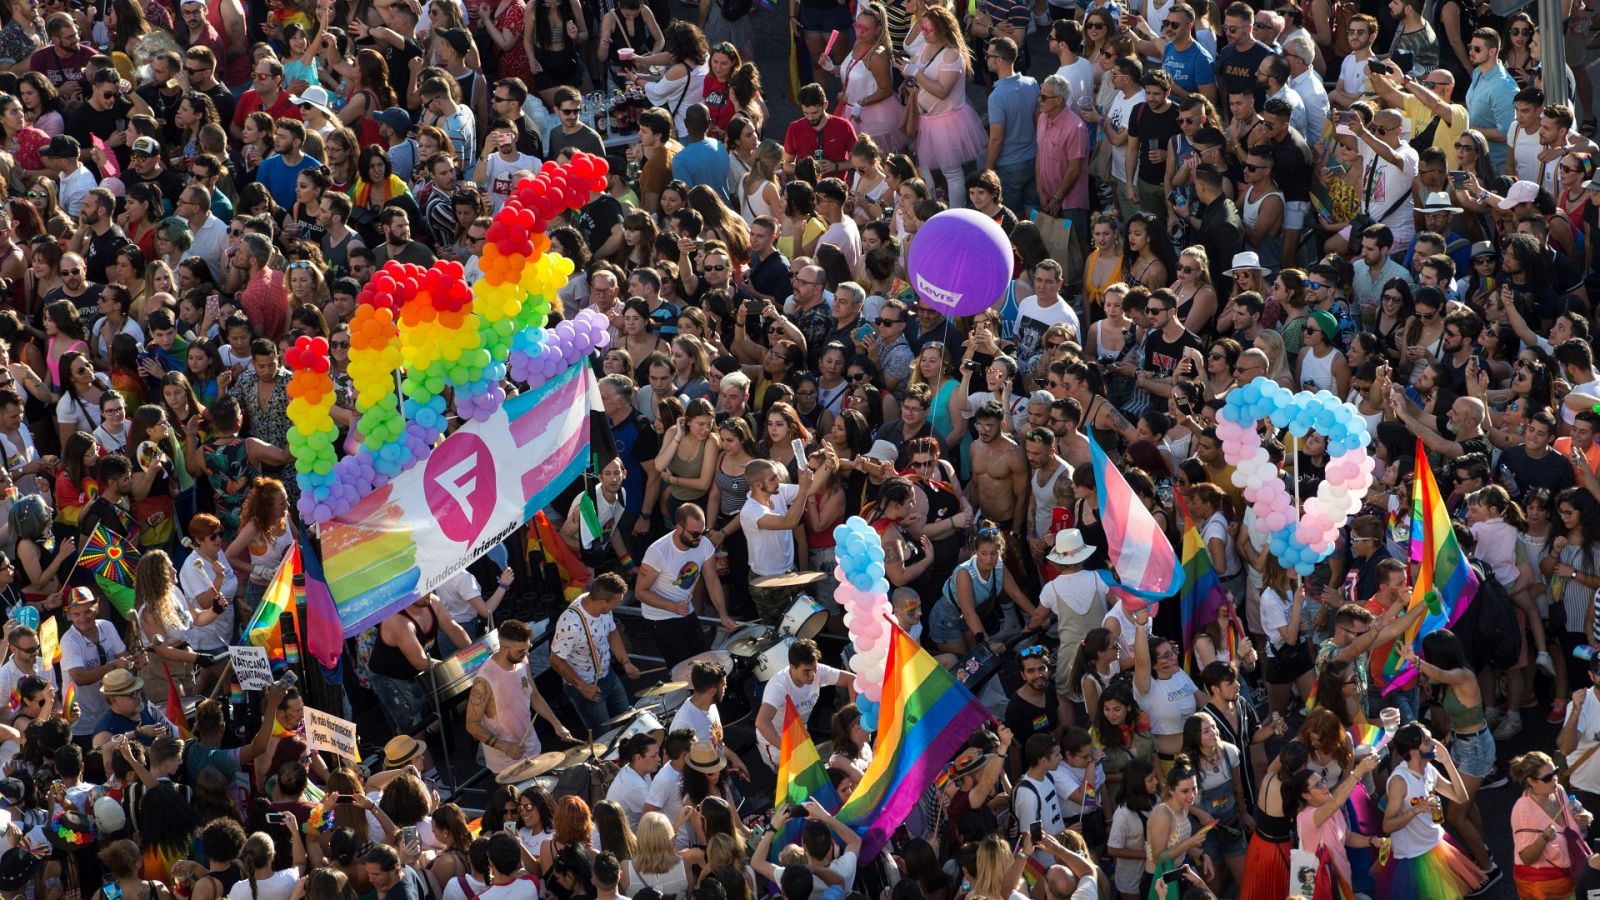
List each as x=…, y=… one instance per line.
x=313, y=435
x=863, y=591
x=1299, y=539
x=455, y=345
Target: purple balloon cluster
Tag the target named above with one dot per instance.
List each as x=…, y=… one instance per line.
x=537, y=355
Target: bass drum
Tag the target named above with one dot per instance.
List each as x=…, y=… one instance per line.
x=804, y=618
x=774, y=658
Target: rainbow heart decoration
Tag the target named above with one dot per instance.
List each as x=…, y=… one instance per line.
x=1299, y=539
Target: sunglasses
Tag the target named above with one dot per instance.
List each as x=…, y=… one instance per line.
x=1548, y=777
x=882, y=322
x=1029, y=652
x=717, y=268
x=1393, y=297
x=858, y=376
x=68, y=273
x=193, y=72
x=1313, y=285
x=1252, y=167
x=571, y=110
x=1094, y=26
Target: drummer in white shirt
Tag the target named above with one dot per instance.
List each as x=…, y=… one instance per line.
x=640, y=757
x=801, y=682
x=699, y=714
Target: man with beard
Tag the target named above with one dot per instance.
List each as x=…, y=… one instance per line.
x=99, y=238
x=671, y=571
x=63, y=62
x=1033, y=708
x=828, y=139
x=999, y=487
x=278, y=172
x=398, y=244
x=503, y=701
x=76, y=288
x=1045, y=469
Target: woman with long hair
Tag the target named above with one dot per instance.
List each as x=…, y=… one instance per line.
x=376, y=183
x=1170, y=837
x=800, y=227
x=258, y=132
x=871, y=103
x=1149, y=254
x=783, y=426
x=265, y=535
x=1106, y=263
x=370, y=93
x=1267, y=859
x=41, y=103
x=948, y=132
x=536, y=810
x=1338, y=683
x=157, y=459
x=343, y=151
x=639, y=233
x=1093, y=665
x=42, y=194
x=687, y=460
x=1197, y=298
x=720, y=223
x=81, y=387
x=553, y=31
x=21, y=140
x=1444, y=663
x=683, y=56
x=611, y=826
x=127, y=24
x=194, y=112
x=141, y=214
x=656, y=862
x=262, y=881
x=165, y=623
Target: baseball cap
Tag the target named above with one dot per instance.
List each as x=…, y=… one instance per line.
x=62, y=146
x=398, y=120
x=458, y=39
x=145, y=146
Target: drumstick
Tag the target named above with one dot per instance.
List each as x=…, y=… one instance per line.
x=644, y=672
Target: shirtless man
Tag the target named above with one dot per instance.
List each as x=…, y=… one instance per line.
x=999, y=487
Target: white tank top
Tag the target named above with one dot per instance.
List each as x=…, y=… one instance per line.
x=1044, y=499
x=1527, y=145
x=512, y=716
x=1318, y=371
x=1420, y=835
x=755, y=205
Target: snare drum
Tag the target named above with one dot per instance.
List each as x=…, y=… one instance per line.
x=804, y=618
x=774, y=657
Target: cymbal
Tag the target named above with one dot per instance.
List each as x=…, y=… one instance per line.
x=581, y=754
x=746, y=646
x=627, y=715
x=531, y=768
x=664, y=688
x=788, y=579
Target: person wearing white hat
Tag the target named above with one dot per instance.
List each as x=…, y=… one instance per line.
x=1078, y=598
x=317, y=109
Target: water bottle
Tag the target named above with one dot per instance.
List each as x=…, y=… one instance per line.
x=1508, y=481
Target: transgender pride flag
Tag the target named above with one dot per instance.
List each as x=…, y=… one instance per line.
x=1141, y=555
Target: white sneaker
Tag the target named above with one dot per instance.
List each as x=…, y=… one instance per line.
x=1510, y=726
x=1544, y=663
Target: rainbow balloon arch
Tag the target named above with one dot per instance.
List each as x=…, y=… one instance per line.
x=443, y=343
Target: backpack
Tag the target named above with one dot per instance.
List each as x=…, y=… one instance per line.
x=734, y=10
x=1489, y=643
x=1343, y=12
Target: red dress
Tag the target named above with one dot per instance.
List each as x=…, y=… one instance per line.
x=514, y=62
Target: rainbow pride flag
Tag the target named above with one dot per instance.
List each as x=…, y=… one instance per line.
x=1445, y=582
x=801, y=774
x=175, y=713
x=1202, y=595
x=925, y=715
x=1141, y=555
x=264, y=629
x=110, y=559
x=69, y=697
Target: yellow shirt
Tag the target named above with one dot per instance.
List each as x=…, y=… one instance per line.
x=1450, y=128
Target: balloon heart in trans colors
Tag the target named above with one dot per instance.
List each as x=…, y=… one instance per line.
x=1298, y=540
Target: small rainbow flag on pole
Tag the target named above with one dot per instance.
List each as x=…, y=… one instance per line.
x=924, y=717
x=264, y=630
x=1445, y=581
x=69, y=698
x=175, y=713
x=1202, y=595
x=1141, y=555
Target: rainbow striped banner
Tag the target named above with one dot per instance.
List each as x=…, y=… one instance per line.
x=479, y=485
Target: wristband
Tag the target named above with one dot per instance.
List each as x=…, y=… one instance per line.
x=626, y=560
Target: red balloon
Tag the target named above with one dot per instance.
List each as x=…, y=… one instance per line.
x=319, y=364
x=598, y=185
x=549, y=166
x=601, y=167
x=507, y=247
x=383, y=283
x=582, y=167
x=319, y=345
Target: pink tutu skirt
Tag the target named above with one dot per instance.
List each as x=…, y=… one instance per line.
x=951, y=138
x=881, y=121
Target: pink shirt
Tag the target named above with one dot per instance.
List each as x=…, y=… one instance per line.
x=266, y=301
x=1330, y=835
x=1060, y=141
x=1497, y=546
x=1527, y=822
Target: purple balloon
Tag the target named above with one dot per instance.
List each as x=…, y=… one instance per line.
x=960, y=262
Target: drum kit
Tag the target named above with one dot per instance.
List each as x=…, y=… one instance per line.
x=763, y=651
x=755, y=650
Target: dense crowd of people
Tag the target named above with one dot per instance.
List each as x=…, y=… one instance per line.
x=1374, y=200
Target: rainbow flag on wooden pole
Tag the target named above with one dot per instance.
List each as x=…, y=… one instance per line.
x=924, y=718
x=801, y=774
x=1445, y=581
